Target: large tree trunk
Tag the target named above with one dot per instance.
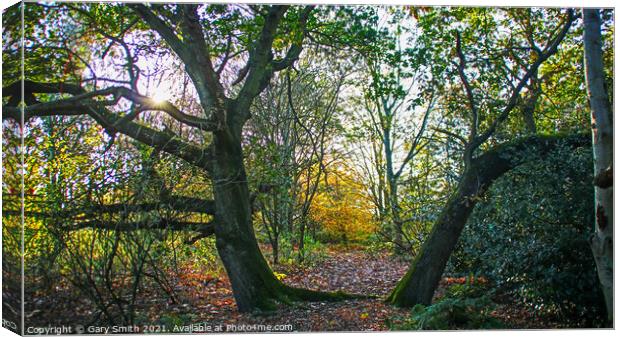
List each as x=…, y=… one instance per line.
x=421, y=280
x=602, y=145
x=254, y=285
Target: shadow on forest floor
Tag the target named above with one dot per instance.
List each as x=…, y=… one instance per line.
x=203, y=299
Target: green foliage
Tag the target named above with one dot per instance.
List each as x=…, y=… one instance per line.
x=529, y=236
x=171, y=320
x=314, y=251
x=203, y=255
x=377, y=245
x=464, y=306
x=498, y=46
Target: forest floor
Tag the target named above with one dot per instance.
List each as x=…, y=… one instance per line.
x=351, y=271
x=208, y=300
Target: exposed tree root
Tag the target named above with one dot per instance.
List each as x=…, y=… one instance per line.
x=283, y=294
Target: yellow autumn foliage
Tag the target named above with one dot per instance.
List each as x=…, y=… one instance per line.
x=342, y=207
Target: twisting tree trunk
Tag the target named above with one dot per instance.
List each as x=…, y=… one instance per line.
x=422, y=278
x=602, y=146
x=254, y=284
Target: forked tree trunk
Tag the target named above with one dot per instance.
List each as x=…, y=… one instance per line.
x=529, y=106
x=421, y=280
x=602, y=145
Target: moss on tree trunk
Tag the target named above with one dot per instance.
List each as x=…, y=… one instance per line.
x=254, y=285
x=418, y=285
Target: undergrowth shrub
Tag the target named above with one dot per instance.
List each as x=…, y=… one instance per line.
x=377, y=245
x=529, y=237
x=464, y=306
x=314, y=251
x=204, y=255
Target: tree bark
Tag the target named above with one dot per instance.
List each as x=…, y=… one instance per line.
x=392, y=180
x=421, y=280
x=252, y=281
x=602, y=146
x=254, y=285
x=529, y=105
x=397, y=223
x=276, y=248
